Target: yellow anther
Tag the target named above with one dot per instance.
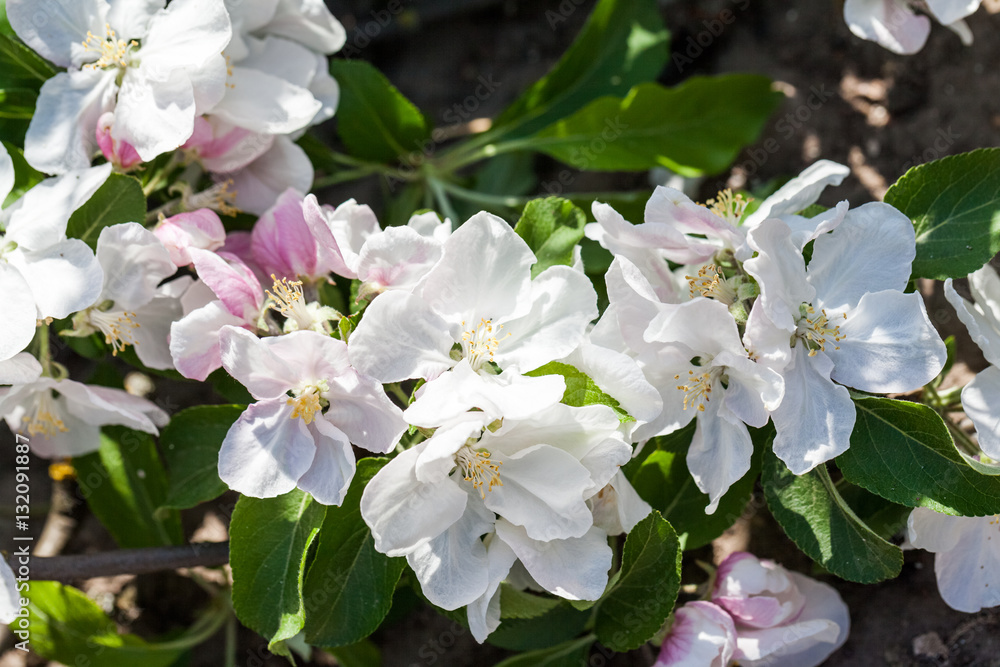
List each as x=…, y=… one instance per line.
x=479, y=469
x=44, y=418
x=286, y=295
x=815, y=329
x=711, y=283
x=481, y=343
x=306, y=406
x=697, y=390
x=61, y=470
x=118, y=327
x=111, y=51
x=728, y=206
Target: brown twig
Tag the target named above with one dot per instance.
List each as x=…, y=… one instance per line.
x=127, y=561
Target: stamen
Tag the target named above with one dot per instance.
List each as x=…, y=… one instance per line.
x=287, y=293
x=698, y=389
x=308, y=400
x=711, y=283
x=111, y=51
x=728, y=206
x=44, y=416
x=815, y=329
x=219, y=197
x=479, y=469
x=481, y=343
x=118, y=327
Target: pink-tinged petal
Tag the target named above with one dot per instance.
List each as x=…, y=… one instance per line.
x=103, y=405
x=720, y=452
x=134, y=262
x=63, y=278
x=155, y=115
x=889, y=345
x=757, y=593
x=562, y=303
x=19, y=312
x=359, y=407
x=121, y=154
x=194, y=340
x=22, y=368
x=484, y=273
x=702, y=635
x=676, y=212
x=980, y=399
x=200, y=229
x=453, y=568
x=257, y=365
x=399, y=338
x=61, y=134
x=816, y=416
x=282, y=242
x=257, y=186
x=38, y=219
x=574, y=568
x=332, y=470
x=224, y=148
x=404, y=513
x=891, y=23
x=531, y=498
x=484, y=612
x=266, y=451
x=232, y=281
x=872, y=250
x=397, y=258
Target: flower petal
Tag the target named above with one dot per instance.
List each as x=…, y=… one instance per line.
x=980, y=399
x=135, y=262
x=64, y=277
x=332, y=469
x=19, y=312
x=702, y=635
x=38, y=219
x=891, y=23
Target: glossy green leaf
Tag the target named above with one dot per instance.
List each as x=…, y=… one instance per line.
x=190, y=445
x=67, y=626
x=374, y=120
x=362, y=654
x=954, y=203
x=269, y=541
x=661, y=477
x=17, y=102
x=119, y=200
x=560, y=624
x=581, y=389
x=516, y=603
x=124, y=483
x=646, y=591
x=623, y=43
x=903, y=452
x=821, y=523
x=551, y=227
x=569, y=654
x=695, y=128
x=19, y=61
x=349, y=587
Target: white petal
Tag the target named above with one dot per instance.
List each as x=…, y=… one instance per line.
x=360, y=408
x=484, y=612
x=194, y=340
x=720, y=452
x=56, y=28
x=104, y=405
x=404, y=513
x=780, y=271
x=889, y=345
x=397, y=257
x=7, y=174
x=61, y=134
x=399, y=338
x=332, y=469
x=620, y=377
x=20, y=369
x=310, y=23
x=871, y=250
x=187, y=34
x=154, y=115
x=618, y=508
x=673, y=209
x=264, y=103
x=891, y=23
x=266, y=451
x=130, y=18
x=949, y=11
x=934, y=532
x=39, y=218
x=152, y=337
x=257, y=364
x=484, y=272
x=816, y=417
x=283, y=166
x=20, y=312
x=981, y=318
x=968, y=576
x=135, y=262
x=799, y=193
x=575, y=568
x=980, y=399
x=9, y=599
x=64, y=278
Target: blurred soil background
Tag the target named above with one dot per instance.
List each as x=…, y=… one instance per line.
x=846, y=100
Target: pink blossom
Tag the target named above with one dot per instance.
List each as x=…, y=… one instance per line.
x=118, y=152
x=193, y=229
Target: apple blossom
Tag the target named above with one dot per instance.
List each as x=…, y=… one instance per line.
x=967, y=560
x=842, y=321
x=982, y=318
x=702, y=635
x=312, y=405
x=895, y=25
x=10, y=602
x=156, y=67
x=200, y=229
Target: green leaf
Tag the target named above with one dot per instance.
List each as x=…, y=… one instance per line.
x=348, y=590
x=66, y=626
x=573, y=653
x=190, y=444
x=25, y=177
x=954, y=203
x=515, y=603
x=21, y=62
x=551, y=227
x=269, y=541
x=17, y=103
x=661, y=477
x=119, y=200
x=818, y=520
x=374, y=120
x=623, y=43
x=124, y=482
x=696, y=128
x=362, y=654
x=558, y=625
x=581, y=390
x=650, y=578
x=903, y=452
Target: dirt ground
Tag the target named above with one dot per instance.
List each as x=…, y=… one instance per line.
x=847, y=100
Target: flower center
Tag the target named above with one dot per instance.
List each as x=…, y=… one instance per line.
x=728, y=206
x=479, y=469
x=308, y=400
x=44, y=417
x=481, y=343
x=219, y=197
x=111, y=51
x=711, y=283
x=697, y=387
x=118, y=327
x=815, y=329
